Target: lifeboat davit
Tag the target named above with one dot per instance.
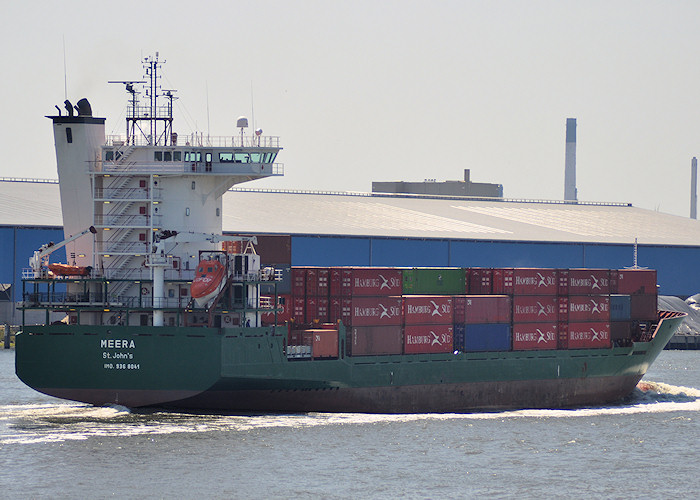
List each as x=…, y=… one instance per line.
x=66, y=270
x=208, y=281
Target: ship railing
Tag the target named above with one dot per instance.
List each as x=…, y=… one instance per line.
x=144, y=273
x=62, y=298
x=127, y=220
x=250, y=276
x=198, y=139
x=129, y=273
x=128, y=194
x=180, y=167
x=148, y=302
x=131, y=247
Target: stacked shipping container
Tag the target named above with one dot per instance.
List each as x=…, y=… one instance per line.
x=428, y=323
x=431, y=310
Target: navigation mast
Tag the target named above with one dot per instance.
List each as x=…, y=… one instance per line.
x=158, y=127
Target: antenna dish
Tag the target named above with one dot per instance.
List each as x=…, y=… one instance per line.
x=258, y=132
x=242, y=122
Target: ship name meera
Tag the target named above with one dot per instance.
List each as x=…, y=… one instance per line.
x=117, y=344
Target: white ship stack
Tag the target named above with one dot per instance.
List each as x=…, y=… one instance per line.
x=154, y=200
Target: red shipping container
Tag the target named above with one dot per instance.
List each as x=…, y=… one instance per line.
x=502, y=281
x=535, y=309
x=530, y=281
x=589, y=308
x=562, y=335
x=322, y=284
x=644, y=307
x=274, y=249
x=479, y=281
x=299, y=282
x=324, y=343
x=534, y=336
x=338, y=276
x=621, y=330
x=365, y=281
x=299, y=337
x=374, y=281
x=311, y=284
x=298, y=309
x=588, y=281
x=422, y=339
x=614, y=280
x=428, y=310
x=636, y=281
x=592, y=335
x=316, y=309
x=339, y=309
x=563, y=281
x=374, y=311
x=375, y=340
x=284, y=302
x=482, y=309
x=563, y=309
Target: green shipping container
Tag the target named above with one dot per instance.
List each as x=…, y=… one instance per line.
x=434, y=281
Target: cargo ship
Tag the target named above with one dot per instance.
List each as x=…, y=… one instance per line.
x=158, y=308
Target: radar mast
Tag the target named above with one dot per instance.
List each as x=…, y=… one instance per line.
x=152, y=123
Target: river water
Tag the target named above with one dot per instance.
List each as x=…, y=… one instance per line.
x=645, y=447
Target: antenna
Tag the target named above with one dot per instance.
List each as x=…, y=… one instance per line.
x=252, y=107
x=206, y=87
x=132, y=111
x=152, y=113
x=65, y=72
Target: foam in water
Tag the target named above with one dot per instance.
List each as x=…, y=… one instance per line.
x=42, y=423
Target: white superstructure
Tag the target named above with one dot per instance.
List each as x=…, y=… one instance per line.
x=138, y=189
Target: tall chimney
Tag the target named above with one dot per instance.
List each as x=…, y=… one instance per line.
x=694, y=188
x=570, y=162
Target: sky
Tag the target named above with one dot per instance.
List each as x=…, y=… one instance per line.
x=361, y=91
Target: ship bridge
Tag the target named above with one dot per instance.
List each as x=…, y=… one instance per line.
x=248, y=157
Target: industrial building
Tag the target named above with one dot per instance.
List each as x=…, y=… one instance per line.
x=374, y=229
x=447, y=188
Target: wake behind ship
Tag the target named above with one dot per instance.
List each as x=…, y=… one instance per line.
x=162, y=309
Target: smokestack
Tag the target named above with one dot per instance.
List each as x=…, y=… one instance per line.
x=570, y=162
x=694, y=188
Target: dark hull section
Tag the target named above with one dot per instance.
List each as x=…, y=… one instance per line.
x=125, y=397
x=246, y=370
x=445, y=398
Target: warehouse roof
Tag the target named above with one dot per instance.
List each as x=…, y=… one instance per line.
x=365, y=214
x=32, y=203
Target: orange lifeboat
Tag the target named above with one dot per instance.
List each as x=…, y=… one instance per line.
x=66, y=270
x=208, y=281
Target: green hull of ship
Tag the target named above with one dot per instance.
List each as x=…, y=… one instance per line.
x=247, y=370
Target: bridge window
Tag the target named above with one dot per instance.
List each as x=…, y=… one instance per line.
x=158, y=155
x=177, y=155
x=269, y=157
x=225, y=157
x=168, y=156
x=256, y=157
x=109, y=155
x=241, y=157
x=69, y=135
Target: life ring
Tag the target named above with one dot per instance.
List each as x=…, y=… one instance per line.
x=227, y=319
x=144, y=291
